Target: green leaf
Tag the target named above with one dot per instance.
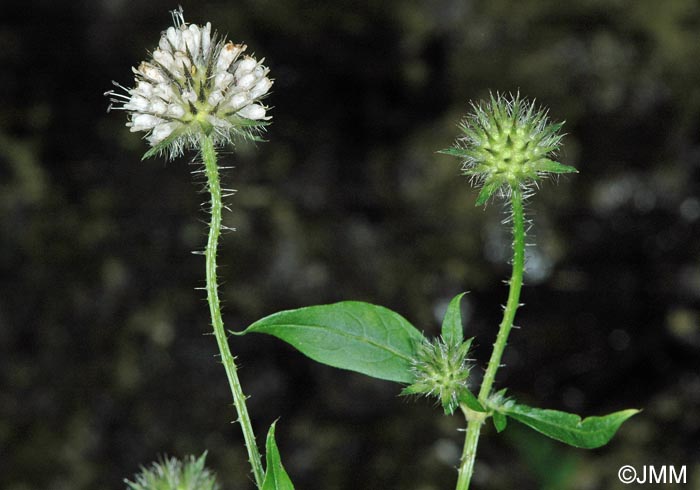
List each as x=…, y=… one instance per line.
x=276, y=478
x=499, y=421
x=452, y=329
x=471, y=401
x=589, y=433
x=353, y=335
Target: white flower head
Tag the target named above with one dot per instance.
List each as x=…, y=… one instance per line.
x=196, y=83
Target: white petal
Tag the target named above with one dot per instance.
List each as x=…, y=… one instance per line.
x=218, y=122
x=244, y=66
x=143, y=88
x=183, y=62
x=176, y=110
x=215, y=97
x=160, y=132
x=158, y=106
x=150, y=72
x=164, y=44
x=252, y=111
x=189, y=96
x=246, y=81
x=137, y=103
x=260, y=88
x=228, y=55
x=165, y=58
x=163, y=91
x=142, y=122
x=223, y=80
x=238, y=101
x=174, y=36
x=206, y=39
x=192, y=37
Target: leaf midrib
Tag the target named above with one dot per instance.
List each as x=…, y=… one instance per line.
x=343, y=333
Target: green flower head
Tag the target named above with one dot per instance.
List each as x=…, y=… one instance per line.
x=507, y=143
x=173, y=474
x=441, y=371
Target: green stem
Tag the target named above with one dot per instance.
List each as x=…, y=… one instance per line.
x=212, y=171
x=516, y=282
x=471, y=440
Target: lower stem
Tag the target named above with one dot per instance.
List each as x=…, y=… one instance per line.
x=471, y=441
x=474, y=423
x=227, y=359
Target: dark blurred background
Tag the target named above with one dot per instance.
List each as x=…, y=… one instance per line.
x=105, y=361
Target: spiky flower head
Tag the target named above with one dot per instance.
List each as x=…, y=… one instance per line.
x=441, y=370
x=195, y=83
x=173, y=474
x=507, y=143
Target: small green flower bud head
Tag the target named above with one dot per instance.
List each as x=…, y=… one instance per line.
x=173, y=474
x=195, y=83
x=507, y=143
x=441, y=370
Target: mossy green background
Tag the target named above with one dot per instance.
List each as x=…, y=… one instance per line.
x=105, y=361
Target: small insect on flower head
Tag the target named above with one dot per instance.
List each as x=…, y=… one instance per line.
x=196, y=83
x=507, y=143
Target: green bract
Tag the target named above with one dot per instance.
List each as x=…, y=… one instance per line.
x=507, y=143
x=440, y=366
x=171, y=473
x=441, y=370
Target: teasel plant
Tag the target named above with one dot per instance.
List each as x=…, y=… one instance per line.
x=507, y=147
x=198, y=91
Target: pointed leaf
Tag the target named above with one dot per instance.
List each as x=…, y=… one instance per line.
x=471, y=401
x=276, y=478
x=452, y=329
x=353, y=335
x=589, y=433
x=499, y=421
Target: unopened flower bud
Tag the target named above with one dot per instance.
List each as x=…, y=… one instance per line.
x=507, y=143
